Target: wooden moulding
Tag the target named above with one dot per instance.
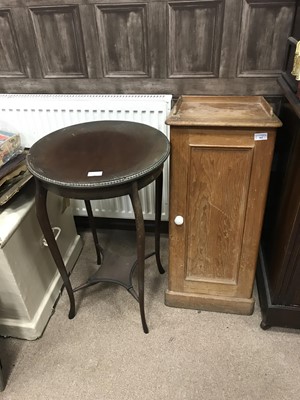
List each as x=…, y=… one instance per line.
x=235, y=111
x=233, y=305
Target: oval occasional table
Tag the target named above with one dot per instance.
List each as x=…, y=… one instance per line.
x=101, y=160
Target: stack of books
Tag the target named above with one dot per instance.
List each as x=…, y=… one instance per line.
x=13, y=170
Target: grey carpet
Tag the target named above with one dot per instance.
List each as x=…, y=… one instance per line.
x=104, y=354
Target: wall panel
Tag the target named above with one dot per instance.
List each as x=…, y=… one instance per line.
x=59, y=41
x=265, y=29
x=195, y=32
x=179, y=47
x=122, y=33
x=11, y=62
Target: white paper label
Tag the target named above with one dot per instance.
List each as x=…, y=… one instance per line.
x=95, y=173
x=260, y=136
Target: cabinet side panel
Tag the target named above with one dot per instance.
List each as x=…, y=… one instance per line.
x=262, y=159
x=218, y=185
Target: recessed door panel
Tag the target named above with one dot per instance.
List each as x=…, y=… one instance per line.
x=218, y=185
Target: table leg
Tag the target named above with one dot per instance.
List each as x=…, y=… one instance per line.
x=140, y=239
x=158, y=200
x=43, y=218
x=99, y=250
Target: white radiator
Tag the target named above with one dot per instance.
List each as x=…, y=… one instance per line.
x=36, y=115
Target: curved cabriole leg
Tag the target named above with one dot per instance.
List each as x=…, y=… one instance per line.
x=43, y=218
x=158, y=200
x=99, y=250
x=140, y=239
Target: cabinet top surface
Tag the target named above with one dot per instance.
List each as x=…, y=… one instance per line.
x=236, y=111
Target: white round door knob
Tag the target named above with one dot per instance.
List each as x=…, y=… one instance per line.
x=178, y=220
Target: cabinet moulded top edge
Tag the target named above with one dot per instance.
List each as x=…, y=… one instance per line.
x=223, y=111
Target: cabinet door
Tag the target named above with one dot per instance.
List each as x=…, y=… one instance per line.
x=218, y=185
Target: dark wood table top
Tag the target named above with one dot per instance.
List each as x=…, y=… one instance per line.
x=98, y=154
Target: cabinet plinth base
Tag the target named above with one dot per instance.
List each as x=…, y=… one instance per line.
x=233, y=305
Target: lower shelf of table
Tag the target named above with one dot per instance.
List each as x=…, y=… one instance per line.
x=114, y=269
x=233, y=305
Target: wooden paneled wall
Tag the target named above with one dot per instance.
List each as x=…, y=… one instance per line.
x=143, y=46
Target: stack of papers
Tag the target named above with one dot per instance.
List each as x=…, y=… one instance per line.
x=13, y=170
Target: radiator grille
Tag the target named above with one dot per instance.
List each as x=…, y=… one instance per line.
x=36, y=115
